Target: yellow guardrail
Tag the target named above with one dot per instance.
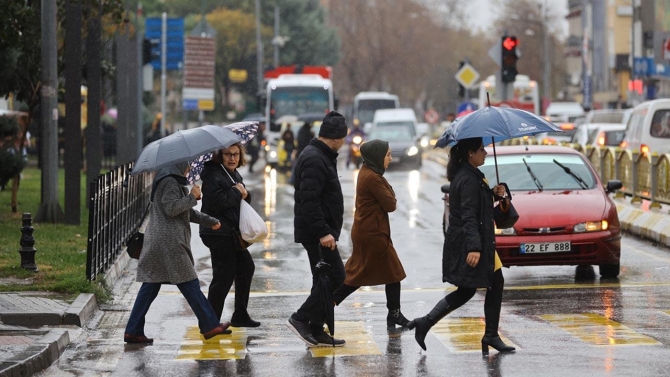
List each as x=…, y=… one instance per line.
x=644, y=176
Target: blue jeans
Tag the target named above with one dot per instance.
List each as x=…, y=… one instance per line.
x=207, y=320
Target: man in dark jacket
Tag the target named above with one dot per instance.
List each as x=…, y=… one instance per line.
x=318, y=211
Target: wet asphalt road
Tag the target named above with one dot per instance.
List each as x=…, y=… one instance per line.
x=564, y=321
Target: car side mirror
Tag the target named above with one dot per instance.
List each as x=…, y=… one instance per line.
x=445, y=188
x=613, y=185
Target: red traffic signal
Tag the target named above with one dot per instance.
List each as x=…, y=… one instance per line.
x=509, y=43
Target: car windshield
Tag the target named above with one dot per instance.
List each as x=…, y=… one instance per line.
x=514, y=172
x=409, y=126
x=367, y=107
x=613, y=117
x=391, y=133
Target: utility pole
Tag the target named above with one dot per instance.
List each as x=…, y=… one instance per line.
x=49, y=209
x=259, y=48
x=163, y=71
x=276, y=45
x=546, y=79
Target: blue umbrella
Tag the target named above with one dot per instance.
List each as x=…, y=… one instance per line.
x=495, y=124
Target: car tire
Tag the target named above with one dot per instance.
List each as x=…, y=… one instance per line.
x=610, y=270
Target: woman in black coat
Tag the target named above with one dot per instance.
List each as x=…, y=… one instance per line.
x=469, y=259
x=222, y=191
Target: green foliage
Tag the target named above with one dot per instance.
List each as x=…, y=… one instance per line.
x=61, y=249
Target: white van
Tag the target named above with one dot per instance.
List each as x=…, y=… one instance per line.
x=386, y=117
x=648, y=129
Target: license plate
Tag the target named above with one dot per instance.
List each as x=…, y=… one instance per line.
x=546, y=247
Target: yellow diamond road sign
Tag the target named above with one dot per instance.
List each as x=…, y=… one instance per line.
x=467, y=76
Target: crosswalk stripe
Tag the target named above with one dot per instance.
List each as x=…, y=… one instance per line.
x=463, y=334
x=599, y=330
x=221, y=347
x=359, y=341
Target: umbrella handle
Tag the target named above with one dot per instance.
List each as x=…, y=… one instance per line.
x=495, y=159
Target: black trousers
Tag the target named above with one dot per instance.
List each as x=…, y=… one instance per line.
x=492, y=302
x=392, y=294
x=312, y=310
x=228, y=266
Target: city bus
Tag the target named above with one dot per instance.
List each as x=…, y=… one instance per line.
x=288, y=95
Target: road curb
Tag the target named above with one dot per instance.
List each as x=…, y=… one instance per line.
x=38, y=356
x=653, y=224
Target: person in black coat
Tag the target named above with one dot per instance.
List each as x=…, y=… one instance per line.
x=469, y=259
x=305, y=135
x=318, y=211
x=222, y=191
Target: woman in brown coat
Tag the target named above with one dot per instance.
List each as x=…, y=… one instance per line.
x=374, y=261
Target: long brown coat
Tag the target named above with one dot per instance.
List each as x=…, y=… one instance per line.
x=373, y=261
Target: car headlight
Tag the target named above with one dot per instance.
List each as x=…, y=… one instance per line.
x=267, y=148
x=273, y=154
x=424, y=142
x=505, y=232
x=591, y=226
x=412, y=150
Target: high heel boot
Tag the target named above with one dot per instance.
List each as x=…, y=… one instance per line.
x=492, y=306
x=395, y=317
x=423, y=324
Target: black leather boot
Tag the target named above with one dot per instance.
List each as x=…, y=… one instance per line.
x=492, y=306
x=395, y=317
x=424, y=323
x=243, y=320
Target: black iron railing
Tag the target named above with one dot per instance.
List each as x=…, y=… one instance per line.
x=117, y=202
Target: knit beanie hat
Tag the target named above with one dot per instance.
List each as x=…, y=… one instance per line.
x=333, y=126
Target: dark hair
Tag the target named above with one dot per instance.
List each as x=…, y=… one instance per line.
x=459, y=153
x=218, y=155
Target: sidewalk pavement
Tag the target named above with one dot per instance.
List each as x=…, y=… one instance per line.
x=35, y=327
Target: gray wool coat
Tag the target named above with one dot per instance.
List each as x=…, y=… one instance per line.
x=166, y=254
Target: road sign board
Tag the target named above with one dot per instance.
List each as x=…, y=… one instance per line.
x=174, y=38
x=431, y=116
x=496, y=54
x=199, y=68
x=467, y=76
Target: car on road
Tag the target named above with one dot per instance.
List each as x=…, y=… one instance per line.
x=566, y=214
x=405, y=148
x=599, y=134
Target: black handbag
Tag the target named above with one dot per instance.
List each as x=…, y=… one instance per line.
x=240, y=243
x=505, y=218
x=134, y=244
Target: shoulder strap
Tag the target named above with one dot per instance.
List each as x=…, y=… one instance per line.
x=229, y=176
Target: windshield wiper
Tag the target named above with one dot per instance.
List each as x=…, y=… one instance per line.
x=532, y=175
x=574, y=175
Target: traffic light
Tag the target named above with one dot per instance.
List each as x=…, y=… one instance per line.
x=509, y=57
x=461, y=88
x=150, y=50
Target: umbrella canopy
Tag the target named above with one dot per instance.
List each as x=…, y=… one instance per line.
x=499, y=123
x=246, y=130
x=184, y=145
x=495, y=124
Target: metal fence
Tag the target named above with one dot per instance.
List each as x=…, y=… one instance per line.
x=117, y=203
x=643, y=175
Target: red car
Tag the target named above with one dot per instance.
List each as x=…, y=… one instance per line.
x=566, y=216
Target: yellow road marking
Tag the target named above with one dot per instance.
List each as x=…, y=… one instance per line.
x=599, y=330
x=359, y=341
x=462, y=334
x=221, y=347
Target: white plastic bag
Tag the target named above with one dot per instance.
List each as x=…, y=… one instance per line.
x=252, y=226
